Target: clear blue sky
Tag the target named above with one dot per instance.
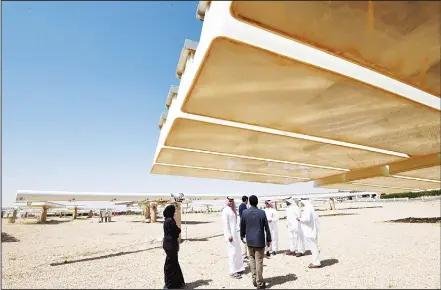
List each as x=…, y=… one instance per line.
x=84, y=84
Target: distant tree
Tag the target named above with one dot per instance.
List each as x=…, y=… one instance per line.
x=411, y=194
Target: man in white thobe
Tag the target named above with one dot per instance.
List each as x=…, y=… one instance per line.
x=295, y=233
x=310, y=225
x=232, y=238
x=273, y=221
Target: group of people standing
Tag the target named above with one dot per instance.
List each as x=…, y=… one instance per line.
x=105, y=216
x=272, y=218
x=250, y=235
x=257, y=231
x=303, y=230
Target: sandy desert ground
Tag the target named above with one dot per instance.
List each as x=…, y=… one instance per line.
x=358, y=249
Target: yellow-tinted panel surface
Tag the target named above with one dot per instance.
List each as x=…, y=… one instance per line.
x=427, y=173
x=396, y=38
x=198, y=135
x=245, y=84
x=198, y=159
x=360, y=187
x=201, y=173
x=400, y=182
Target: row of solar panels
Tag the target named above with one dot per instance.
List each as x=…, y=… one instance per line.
x=263, y=97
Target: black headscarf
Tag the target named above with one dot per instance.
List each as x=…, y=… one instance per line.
x=171, y=230
x=169, y=211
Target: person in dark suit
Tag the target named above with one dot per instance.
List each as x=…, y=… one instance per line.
x=172, y=270
x=243, y=206
x=253, y=227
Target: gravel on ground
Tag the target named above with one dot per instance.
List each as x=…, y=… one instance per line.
x=359, y=249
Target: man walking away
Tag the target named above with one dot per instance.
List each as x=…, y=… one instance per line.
x=310, y=226
x=295, y=233
x=253, y=226
x=231, y=234
x=273, y=221
x=243, y=206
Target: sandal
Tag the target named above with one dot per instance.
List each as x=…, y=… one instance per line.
x=236, y=276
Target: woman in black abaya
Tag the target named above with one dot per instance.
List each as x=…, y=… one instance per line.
x=172, y=271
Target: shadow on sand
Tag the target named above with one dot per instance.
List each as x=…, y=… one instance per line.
x=6, y=238
x=103, y=257
x=202, y=239
x=127, y=252
x=329, y=262
x=282, y=252
x=183, y=222
x=362, y=207
x=197, y=283
x=48, y=222
x=338, y=214
x=350, y=208
x=413, y=220
x=247, y=269
x=279, y=280
x=189, y=223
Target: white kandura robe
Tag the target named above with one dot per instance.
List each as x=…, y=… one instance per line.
x=273, y=221
x=235, y=260
x=295, y=233
x=310, y=225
